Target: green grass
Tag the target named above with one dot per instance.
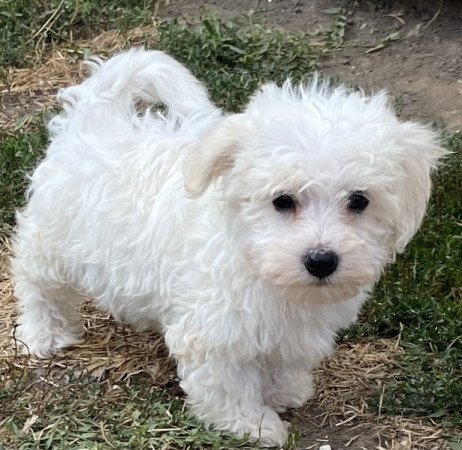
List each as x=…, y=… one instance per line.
x=28, y=25
x=419, y=297
x=233, y=58
x=18, y=155
x=84, y=414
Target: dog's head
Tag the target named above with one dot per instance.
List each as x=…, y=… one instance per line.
x=321, y=186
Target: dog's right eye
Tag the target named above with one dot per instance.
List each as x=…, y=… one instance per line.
x=284, y=202
x=357, y=202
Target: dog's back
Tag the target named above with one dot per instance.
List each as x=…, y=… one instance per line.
x=96, y=210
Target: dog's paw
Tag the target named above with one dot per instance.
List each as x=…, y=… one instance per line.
x=282, y=400
x=45, y=344
x=292, y=395
x=267, y=429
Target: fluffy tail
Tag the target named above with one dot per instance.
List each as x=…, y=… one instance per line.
x=119, y=83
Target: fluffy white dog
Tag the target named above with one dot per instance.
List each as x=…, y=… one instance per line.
x=249, y=240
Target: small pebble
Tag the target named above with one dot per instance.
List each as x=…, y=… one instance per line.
x=325, y=447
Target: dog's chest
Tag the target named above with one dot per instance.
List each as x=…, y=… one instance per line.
x=302, y=338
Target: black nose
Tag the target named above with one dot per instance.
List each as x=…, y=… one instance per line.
x=321, y=263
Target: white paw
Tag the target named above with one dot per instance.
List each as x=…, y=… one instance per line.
x=267, y=429
x=291, y=396
x=45, y=344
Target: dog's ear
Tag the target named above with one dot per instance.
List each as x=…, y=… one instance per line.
x=421, y=153
x=214, y=153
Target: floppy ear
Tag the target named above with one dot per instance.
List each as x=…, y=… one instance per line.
x=214, y=154
x=421, y=153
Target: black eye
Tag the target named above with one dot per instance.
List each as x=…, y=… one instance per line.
x=357, y=202
x=284, y=202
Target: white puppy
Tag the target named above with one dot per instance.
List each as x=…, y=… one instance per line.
x=248, y=239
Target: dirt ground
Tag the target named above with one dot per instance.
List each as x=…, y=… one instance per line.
x=422, y=70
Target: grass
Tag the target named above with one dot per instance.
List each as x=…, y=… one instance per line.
x=19, y=154
x=32, y=25
x=419, y=298
x=76, y=412
x=234, y=58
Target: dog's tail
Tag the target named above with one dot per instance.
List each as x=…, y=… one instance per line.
x=118, y=84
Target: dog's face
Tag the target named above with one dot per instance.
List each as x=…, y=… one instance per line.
x=321, y=187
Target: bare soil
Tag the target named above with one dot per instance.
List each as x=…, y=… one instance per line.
x=422, y=70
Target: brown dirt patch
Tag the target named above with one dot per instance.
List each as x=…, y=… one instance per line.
x=423, y=69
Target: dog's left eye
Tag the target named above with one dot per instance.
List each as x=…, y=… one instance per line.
x=284, y=202
x=357, y=202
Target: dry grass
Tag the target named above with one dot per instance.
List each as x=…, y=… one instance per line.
x=32, y=90
x=345, y=382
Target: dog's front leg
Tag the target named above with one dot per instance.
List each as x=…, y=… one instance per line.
x=287, y=387
x=228, y=396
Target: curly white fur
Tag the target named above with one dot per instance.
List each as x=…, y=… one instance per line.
x=168, y=222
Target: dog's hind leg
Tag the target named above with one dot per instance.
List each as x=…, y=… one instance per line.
x=50, y=318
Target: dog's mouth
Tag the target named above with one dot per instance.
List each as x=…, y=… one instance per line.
x=344, y=280
x=340, y=280
x=332, y=283
x=328, y=285
x=323, y=292
x=324, y=282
